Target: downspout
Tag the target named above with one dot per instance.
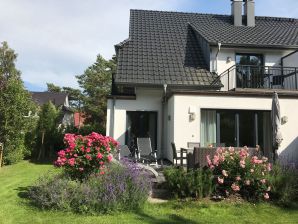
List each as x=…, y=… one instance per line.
x=218, y=50
x=282, y=63
x=163, y=103
x=288, y=55
x=112, y=117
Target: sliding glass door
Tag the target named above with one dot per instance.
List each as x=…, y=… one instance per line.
x=235, y=128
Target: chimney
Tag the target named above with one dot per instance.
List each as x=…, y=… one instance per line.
x=237, y=12
x=249, y=12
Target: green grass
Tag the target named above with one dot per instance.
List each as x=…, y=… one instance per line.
x=14, y=208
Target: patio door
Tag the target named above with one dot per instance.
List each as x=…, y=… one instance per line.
x=141, y=124
x=236, y=128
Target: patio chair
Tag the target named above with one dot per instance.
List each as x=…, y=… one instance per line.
x=192, y=145
x=145, y=150
x=124, y=152
x=175, y=156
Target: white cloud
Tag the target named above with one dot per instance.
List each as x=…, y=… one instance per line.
x=58, y=39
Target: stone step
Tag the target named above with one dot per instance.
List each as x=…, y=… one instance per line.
x=160, y=193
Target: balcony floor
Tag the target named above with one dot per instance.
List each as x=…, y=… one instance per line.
x=256, y=90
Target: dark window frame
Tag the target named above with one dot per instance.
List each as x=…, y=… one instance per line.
x=237, y=113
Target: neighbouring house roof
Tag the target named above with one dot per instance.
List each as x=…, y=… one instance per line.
x=58, y=99
x=163, y=47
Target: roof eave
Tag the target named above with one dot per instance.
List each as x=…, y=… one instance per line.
x=233, y=45
x=179, y=86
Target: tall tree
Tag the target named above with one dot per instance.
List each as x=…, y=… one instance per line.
x=74, y=95
x=96, y=83
x=47, y=128
x=53, y=88
x=15, y=104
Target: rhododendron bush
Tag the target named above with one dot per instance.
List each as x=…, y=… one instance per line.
x=86, y=155
x=238, y=172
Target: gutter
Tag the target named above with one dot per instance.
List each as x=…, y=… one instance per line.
x=218, y=50
x=173, y=86
x=284, y=47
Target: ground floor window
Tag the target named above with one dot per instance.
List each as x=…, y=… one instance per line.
x=236, y=128
x=141, y=124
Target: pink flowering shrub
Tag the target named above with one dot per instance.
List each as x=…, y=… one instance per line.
x=86, y=155
x=237, y=172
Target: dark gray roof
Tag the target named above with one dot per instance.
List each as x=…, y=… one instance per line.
x=269, y=32
x=163, y=47
x=41, y=98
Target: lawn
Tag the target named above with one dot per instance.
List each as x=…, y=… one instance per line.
x=14, y=208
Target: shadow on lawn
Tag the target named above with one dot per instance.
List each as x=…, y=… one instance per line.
x=172, y=219
x=42, y=162
x=23, y=192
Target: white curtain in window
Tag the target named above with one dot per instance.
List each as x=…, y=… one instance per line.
x=208, y=127
x=267, y=130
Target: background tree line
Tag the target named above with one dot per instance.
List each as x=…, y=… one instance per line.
x=28, y=136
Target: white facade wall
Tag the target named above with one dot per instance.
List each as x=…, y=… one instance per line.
x=292, y=60
x=146, y=100
x=221, y=64
x=170, y=119
x=179, y=129
x=189, y=131
x=271, y=57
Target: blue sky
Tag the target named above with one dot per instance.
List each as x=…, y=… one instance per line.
x=58, y=39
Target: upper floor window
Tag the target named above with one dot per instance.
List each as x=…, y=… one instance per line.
x=250, y=59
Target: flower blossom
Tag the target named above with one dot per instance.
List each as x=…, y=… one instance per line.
x=263, y=181
x=255, y=160
x=266, y=196
x=88, y=157
x=242, y=163
x=71, y=161
x=235, y=187
x=220, y=180
x=110, y=157
x=269, y=188
x=209, y=162
x=215, y=160
x=99, y=156
x=243, y=153
x=231, y=150
x=269, y=167
x=61, y=153
x=224, y=173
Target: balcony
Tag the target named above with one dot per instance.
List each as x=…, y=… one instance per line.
x=259, y=77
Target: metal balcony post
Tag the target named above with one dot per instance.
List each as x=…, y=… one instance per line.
x=228, y=79
x=296, y=79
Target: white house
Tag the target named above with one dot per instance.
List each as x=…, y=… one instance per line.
x=60, y=100
x=190, y=77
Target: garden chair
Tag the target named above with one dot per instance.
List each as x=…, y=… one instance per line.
x=176, y=157
x=124, y=152
x=192, y=145
x=146, y=154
